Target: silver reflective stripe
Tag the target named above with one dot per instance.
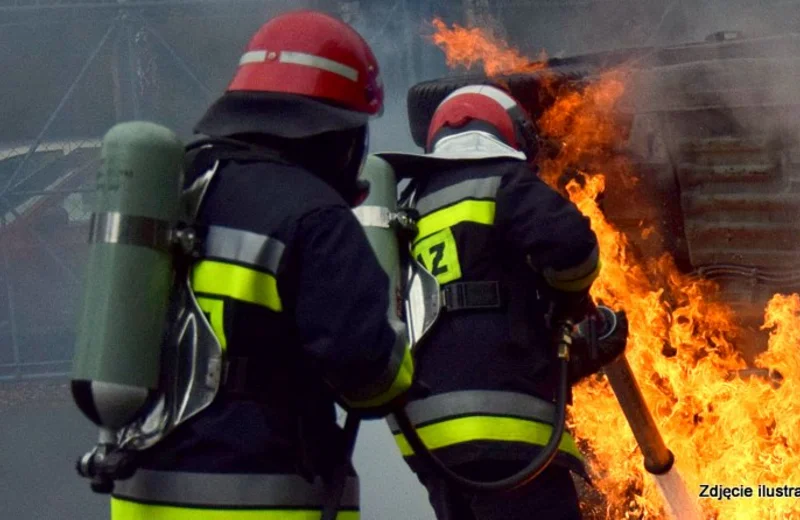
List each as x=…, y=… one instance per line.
x=581, y=270
x=116, y=228
x=318, y=62
x=373, y=216
x=301, y=58
x=253, y=57
x=229, y=490
x=477, y=402
x=244, y=247
x=493, y=93
x=474, y=188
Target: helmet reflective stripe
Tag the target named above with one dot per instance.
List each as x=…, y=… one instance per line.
x=301, y=58
x=311, y=54
x=253, y=57
x=493, y=93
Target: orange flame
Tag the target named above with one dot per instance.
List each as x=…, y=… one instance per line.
x=722, y=429
x=467, y=47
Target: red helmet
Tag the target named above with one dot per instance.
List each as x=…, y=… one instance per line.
x=493, y=109
x=303, y=73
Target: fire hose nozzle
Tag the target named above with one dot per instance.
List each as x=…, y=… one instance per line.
x=609, y=320
x=659, y=461
x=605, y=321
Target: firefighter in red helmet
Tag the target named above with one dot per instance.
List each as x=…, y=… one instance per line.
x=289, y=283
x=514, y=259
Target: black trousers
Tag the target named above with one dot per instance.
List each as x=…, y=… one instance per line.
x=551, y=496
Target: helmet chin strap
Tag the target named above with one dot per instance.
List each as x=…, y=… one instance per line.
x=356, y=190
x=360, y=188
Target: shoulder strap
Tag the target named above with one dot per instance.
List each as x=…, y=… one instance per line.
x=215, y=151
x=233, y=149
x=194, y=195
x=407, y=198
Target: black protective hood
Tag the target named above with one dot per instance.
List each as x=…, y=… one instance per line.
x=282, y=115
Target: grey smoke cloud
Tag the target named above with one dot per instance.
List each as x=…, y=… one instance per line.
x=43, y=51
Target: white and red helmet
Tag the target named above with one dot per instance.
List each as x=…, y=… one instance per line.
x=491, y=108
x=303, y=73
x=475, y=122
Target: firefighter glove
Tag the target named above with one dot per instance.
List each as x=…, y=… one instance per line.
x=418, y=390
x=586, y=360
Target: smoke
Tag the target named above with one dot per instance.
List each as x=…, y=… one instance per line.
x=711, y=95
x=187, y=56
x=396, y=36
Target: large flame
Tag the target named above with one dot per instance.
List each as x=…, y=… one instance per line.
x=468, y=46
x=723, y=429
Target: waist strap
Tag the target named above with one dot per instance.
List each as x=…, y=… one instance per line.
x=231, y=490
x=471, y=295
x=239, y=381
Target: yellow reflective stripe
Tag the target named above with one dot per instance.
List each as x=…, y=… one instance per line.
x=477, y=211
x=126, y=510
x=400, y=383
x=439, y=254
x=237, y=282
x=467, y=429
x=576, y=285
x=216, y=312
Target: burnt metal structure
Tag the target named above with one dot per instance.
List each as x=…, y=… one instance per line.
x=714, y=129
x=43, y=183
x=80, y=66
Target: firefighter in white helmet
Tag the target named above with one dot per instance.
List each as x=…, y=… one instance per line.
x=514, y=258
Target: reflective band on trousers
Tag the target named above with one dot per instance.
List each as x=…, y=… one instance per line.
x=477, y=402
x=482, y=415
x=244, y=247
x=224, y=490
x=125, y=510
x=485, y=188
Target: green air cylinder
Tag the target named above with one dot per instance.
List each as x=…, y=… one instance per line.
x=130, y=273
x=374, y=214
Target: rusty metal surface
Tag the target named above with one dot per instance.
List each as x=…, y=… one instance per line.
x=741, y=204
x=728, y=115
x=724, y=83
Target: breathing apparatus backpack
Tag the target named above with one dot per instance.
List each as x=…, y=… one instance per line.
x=146, y=358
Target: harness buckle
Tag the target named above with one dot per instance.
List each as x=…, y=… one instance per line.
x=471, y=295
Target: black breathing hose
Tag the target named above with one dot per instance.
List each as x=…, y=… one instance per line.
x=529, y=472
